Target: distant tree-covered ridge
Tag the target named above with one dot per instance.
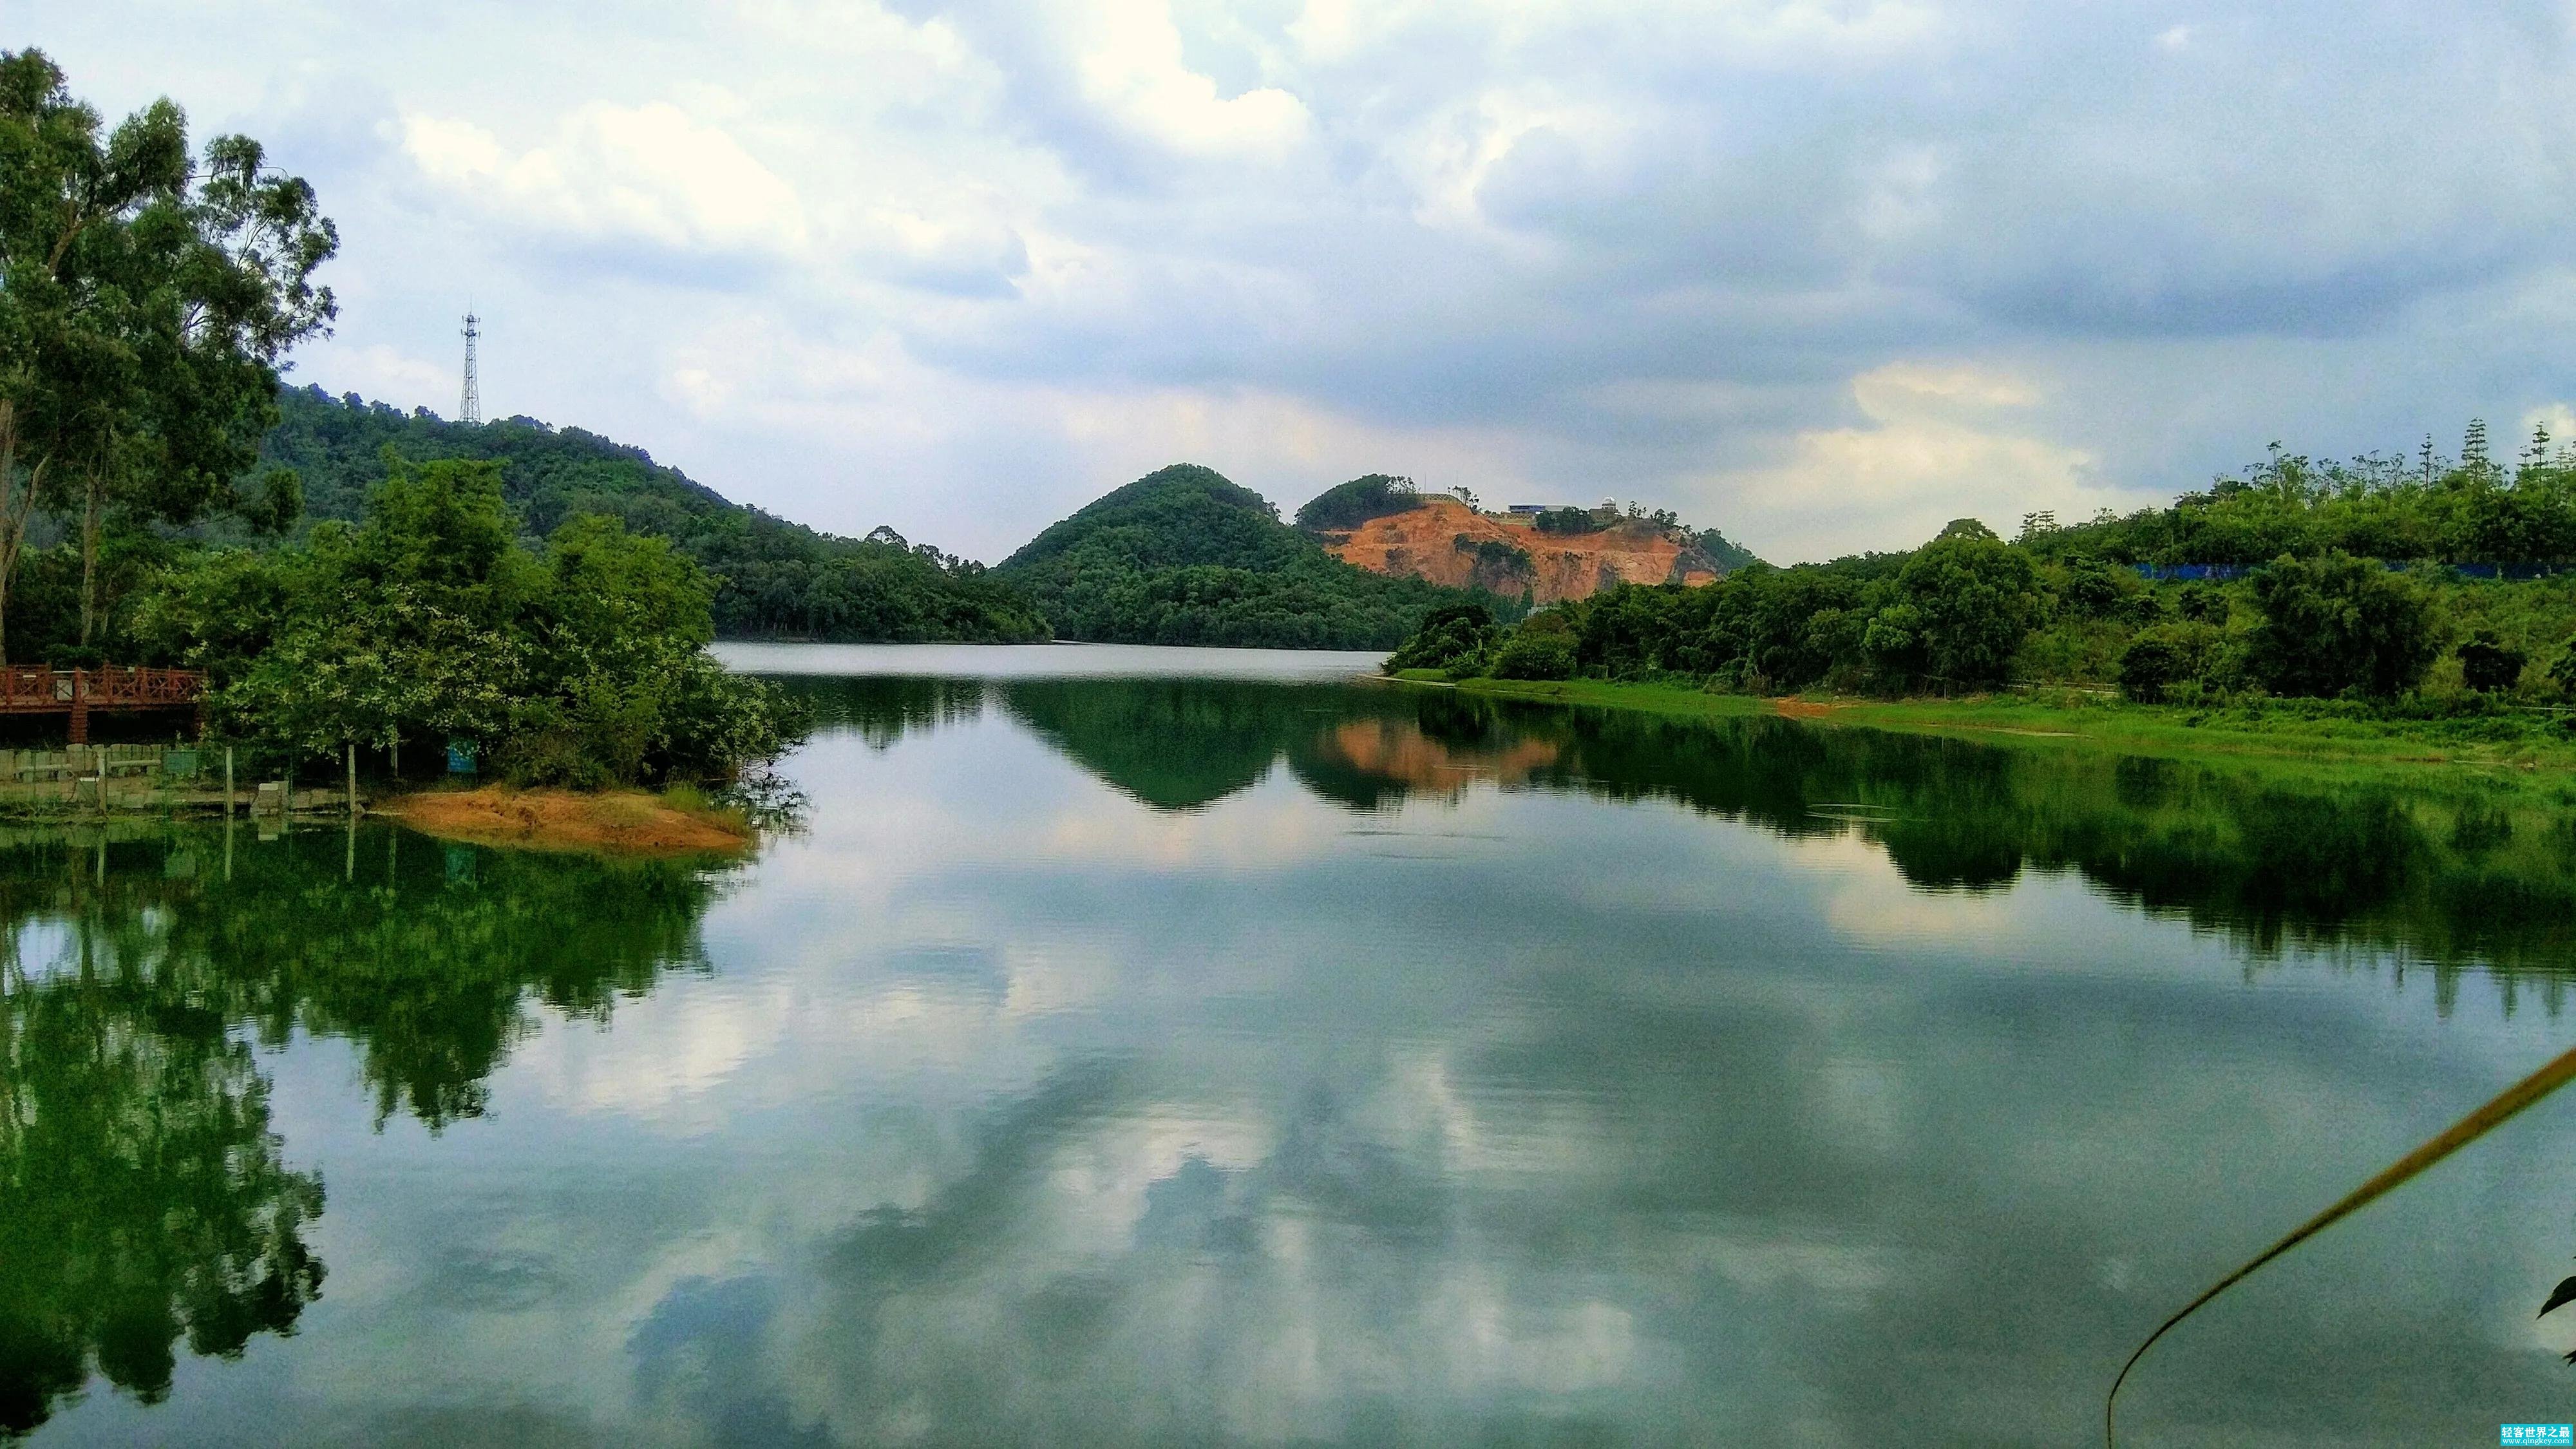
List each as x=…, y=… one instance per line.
x=1183, y=556
x=2465, y=510
x=774, y=578
x=2425, y=586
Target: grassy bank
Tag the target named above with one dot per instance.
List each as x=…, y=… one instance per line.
x=679, y=821
x=2305, y=730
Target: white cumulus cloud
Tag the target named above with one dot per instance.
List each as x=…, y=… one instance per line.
x=651, y=173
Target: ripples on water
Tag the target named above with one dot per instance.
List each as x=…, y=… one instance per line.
x=1146, y=1059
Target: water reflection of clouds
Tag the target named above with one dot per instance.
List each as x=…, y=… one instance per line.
x=1301, y=1351
x=1017, y=1108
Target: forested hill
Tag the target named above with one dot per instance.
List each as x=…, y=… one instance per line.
x=1183, y=556
x=778, y=579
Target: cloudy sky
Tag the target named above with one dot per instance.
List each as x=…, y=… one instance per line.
x=1824, y=273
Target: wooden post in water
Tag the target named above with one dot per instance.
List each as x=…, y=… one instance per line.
x=98, y=755
x=351, y=751
x=228, y=790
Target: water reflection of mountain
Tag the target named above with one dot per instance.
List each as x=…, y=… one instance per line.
x=143, y=1195
x=1185, y=744
x=2449, y=869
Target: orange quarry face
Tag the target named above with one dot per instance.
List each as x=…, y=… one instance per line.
x=1439, y=541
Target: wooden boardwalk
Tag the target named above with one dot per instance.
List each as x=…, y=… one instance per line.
x=41, y=689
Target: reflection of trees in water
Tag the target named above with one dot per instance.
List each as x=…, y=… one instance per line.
x=429, y=967
x=143, y=1196
x=884, y=710
x=2453, y=871
x=2450, y=870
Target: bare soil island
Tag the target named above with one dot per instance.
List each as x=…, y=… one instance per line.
x=624, y=822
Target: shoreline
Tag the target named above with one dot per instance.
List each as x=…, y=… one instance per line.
x=2041, y=722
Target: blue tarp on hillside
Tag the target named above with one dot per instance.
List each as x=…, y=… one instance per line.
x=2221, y=573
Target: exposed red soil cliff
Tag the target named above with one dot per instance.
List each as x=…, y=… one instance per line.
x=1446, y=542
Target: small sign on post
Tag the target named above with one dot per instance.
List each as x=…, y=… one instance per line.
x=460, y=757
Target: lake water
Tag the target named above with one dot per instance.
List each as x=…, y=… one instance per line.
x=1113, y=1058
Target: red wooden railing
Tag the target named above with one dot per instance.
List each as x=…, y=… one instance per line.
x=38, y=689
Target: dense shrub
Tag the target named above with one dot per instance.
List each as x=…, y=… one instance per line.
x=2489, y=665
x=1457, y=638
x=1529, y=654
x=2337, y=623
x=2166, y=655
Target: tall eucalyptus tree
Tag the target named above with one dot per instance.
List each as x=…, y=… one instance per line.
x=147, y=294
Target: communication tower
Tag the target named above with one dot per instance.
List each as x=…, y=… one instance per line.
x=471, y=409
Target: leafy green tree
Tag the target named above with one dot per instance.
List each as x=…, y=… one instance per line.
x=155, y=294
x=1894, y=642
x=2203, y=604
x=1543, y=647
x=2562, y=670
x=1967, y=600
x=2165, y=655
x=2488, y=664
x=2339, y=624
x=1456, y=638
x=64, y=377
x=2151, y=665
x=2091, y=589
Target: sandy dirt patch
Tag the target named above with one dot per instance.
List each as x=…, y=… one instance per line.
x=627, y=822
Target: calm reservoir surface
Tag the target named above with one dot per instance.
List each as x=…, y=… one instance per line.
x=1123, y=1054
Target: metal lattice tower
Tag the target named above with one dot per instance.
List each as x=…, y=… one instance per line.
x=471, y=409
